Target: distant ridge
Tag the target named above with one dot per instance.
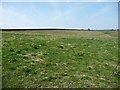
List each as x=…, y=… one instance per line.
x=23, y=29
x=51, y=28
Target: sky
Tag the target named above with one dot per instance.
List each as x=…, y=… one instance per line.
x=93, y=14
x=60, y=0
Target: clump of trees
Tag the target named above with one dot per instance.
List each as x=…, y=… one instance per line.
x=88, y=29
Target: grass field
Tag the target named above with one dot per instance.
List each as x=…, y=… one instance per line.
x=74, y=59
x=0, y=59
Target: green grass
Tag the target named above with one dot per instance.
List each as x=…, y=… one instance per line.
x=32, y=59
x=0, y=59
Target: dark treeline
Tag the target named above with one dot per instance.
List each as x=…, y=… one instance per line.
x=54, y=29
x=36, y=29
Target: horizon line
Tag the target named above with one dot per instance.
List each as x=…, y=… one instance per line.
x=58, y=28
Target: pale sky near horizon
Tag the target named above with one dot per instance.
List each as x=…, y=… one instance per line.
x=99, y=14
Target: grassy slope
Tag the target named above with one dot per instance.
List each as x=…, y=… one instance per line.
x=59, y=59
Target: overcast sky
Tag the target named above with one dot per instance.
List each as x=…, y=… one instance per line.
x=94, y=14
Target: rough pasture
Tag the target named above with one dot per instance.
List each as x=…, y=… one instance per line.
x=32, y=59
